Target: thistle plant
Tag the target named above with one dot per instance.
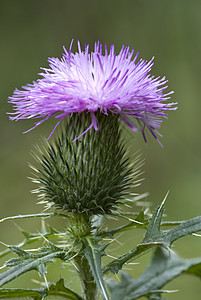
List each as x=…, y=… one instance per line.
x=85, y=174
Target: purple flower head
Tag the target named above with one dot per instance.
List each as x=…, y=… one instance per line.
x=96, y=81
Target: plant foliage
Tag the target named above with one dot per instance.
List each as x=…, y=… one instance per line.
x=164, y=267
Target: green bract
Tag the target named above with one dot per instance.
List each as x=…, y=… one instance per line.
x=89, y=175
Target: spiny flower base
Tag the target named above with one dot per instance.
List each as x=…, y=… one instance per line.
x=89, y=175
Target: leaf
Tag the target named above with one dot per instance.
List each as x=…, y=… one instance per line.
x=42, y=215
x=41, y=268
x=153, y=230
x=118, y=263
x=57, y=289
x=158, y=296
x=119, y=290
x=164, y=267
x=23, y=265
x=60, y=290
x=93, y=252
x=19, y=293
x=154, y=234
x=19, y=251
x=139, y=222
x=185, y=228
x=154, y=237
x=29, y=239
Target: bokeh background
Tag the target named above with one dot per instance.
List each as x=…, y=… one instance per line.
x=31, y=31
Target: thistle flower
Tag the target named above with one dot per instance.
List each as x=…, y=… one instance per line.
x=92, y=81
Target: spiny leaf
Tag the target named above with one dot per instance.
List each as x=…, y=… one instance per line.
x=31, y=238
x=18, y=217
x=93, y=253
x=41, y=268
x=185, y=228
x=60, y=290
x=150, y=241
x=138, y=222
x=118, y=263
x=19, y=251
x=21, y=293
x=119, y=291
x=28, y=264
x=164, y=267
x=154, y=236
x=158, y=296
x=57, y=289
x=153, y=230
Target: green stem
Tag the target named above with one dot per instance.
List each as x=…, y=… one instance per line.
x=79, y=227
x=86, y=277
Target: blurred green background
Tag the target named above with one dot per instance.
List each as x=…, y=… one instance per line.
x=170, y=30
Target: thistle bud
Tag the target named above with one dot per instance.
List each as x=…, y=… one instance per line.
x=89, y=174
